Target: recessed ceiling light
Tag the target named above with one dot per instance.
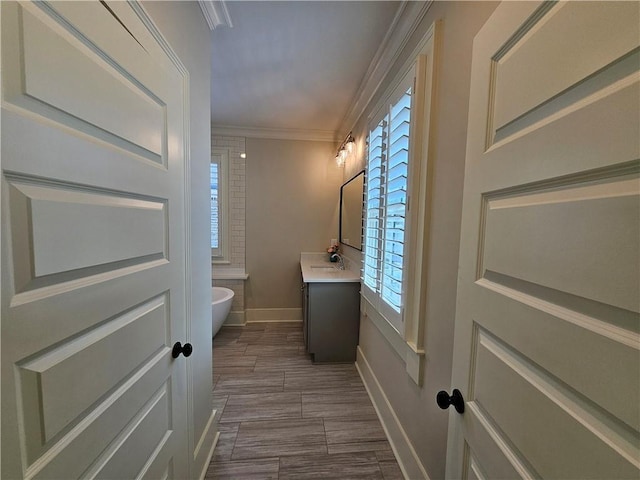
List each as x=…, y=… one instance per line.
x=243, y=155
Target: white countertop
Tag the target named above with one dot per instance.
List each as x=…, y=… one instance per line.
x=316, y=268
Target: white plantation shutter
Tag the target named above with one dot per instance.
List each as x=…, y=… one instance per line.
x=219, y=204
x=386, y=204
x=215, y=206
x=396, y=202
x=374, y=207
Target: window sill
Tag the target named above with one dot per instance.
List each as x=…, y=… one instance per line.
x=412, y=356
x=229, y=274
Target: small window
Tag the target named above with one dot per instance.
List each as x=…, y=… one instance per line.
x=386, y=204
x=215, y=207
x=219, y=205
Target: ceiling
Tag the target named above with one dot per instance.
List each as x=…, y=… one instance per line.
x=294, y=65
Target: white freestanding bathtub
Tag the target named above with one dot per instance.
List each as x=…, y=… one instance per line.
x=220, y=307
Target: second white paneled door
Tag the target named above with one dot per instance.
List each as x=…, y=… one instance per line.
x=93, y=261
x=547, y=334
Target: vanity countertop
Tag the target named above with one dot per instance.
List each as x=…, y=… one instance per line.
x=316, y=268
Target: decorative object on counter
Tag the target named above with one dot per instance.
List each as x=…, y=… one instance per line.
x=333, y=252
x=346, y=147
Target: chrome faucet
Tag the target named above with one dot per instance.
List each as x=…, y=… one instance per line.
x=340, y=262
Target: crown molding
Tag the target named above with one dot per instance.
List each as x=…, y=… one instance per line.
x=216, y=13
x=404, y=24
x=274, y=133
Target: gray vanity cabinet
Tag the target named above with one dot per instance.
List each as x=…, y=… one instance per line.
x=331, y=314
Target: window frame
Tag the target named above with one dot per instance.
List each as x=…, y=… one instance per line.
x=383, y=116
x=220, y=255
x=409, y=343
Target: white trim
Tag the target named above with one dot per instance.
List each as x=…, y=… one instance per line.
x=423, y=47
x=215, y=261
x=274, y=133
x=257, y=315
x=414, y=359
x=391, y=335
x=412, y=356
x=215, y=13
x=203, y=437
x=235, y=319
x=383, y=119
x=402, y=448
x=228, y=274
x=409, y=344
x=205, y=467
x=186, y=117
x=404, y=24
x=424, y=56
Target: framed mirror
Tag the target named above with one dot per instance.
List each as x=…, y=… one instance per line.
x=351, y=205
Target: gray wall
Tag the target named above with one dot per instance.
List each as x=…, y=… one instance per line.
x=293, y=191
x=186, y=30
x=424, y=423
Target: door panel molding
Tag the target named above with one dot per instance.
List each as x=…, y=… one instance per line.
x=588, y=243
x=53, y=51
x=92, y=434
x=547, y=339
x=89, y=385
x=87, y=229
x=52, y=381
x=520, y=81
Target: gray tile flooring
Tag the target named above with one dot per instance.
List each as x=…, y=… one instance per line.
x=282, y=417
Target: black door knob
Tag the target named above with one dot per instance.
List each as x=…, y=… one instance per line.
x=178, y=349
x=444, y=400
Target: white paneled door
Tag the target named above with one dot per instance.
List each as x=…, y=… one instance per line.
x=93, y=262
x=547, y=323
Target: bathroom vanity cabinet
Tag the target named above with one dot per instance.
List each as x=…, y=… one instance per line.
x=331, y=314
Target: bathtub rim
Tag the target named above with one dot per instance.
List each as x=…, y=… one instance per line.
x=228, y=295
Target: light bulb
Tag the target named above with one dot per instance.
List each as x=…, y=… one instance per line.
x=351, y=145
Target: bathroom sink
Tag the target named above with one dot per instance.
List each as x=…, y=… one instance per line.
x=327, y=268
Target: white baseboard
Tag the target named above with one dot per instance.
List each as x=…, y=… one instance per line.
x=235, y=319
x=211, y=428
x=255, y=315
x=407, y=458
x=203, y=473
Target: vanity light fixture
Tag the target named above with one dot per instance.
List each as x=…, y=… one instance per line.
x=346, y=147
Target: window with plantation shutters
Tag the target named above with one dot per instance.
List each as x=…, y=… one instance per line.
x=398, y=208
x=219, y=175
x=215, y=206
x=386, y=204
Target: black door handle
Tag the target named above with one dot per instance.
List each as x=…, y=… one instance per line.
x=443, y=399
x=178, y=349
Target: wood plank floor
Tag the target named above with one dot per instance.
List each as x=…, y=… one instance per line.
x=283, y=417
